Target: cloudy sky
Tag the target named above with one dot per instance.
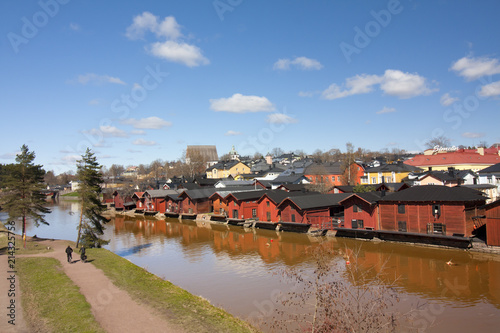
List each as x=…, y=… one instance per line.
x=141, y=80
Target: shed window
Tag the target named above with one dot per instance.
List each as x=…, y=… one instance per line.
x=356, y=209
x=402, y=226
x=269, y=216
x=439, y=228
x=293, y=217
x=267, y=203
x=436, y=210
x=357, y=224
x=401, y=209
x=254, y=212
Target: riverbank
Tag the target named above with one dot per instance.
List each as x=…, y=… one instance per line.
x=116, y=290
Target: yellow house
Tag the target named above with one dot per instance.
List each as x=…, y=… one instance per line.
x=392, y=173
x=226, y=169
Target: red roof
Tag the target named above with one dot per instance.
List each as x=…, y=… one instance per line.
x=454, y=158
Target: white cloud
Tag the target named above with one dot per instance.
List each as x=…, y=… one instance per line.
x=447, y=100
x=170, y=47
x=107, y=131
x=183, y=53
x=473, y=68
x=98, y=79
x=489, y=90
x=95, y=101
x=280, y=118
x=386, y=110
x=239, y=103
x=404, y=85
x=359, y=84
x=307, y=93
x=147, y=123
x=138, y=132
x=472, y=135
x=71, y=159
x=74, y=26
x=393, y=82
x=299, y=62
x=136, y=86
x=232, y=133
x=168, y=28
x=142, y=142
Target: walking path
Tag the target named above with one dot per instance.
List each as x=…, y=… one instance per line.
x=113, y=308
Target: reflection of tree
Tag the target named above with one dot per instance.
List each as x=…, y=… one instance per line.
x=331, y=303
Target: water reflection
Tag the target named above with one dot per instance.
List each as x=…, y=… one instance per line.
x=238, y=268
x=423, y=271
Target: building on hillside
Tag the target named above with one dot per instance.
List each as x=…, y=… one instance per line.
x=460, y=159
x=449, y=178
x=233, y=155
x=329, y=174
x=205, y=153
x=227, y=168
x=292, y=179
x=390, y=173
x=491, y=176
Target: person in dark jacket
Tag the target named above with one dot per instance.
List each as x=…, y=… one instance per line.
x=69, y=251
x=83, y=257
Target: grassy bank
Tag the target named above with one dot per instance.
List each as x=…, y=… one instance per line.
x=51, y=301
x=190, y=312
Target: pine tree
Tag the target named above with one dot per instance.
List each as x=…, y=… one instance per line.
x=22, y=185
x=91, y=225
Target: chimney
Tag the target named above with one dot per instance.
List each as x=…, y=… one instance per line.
x=430, y=168
x=480, y=151
x=451, y=171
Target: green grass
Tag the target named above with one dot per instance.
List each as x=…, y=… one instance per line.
x=32, y=244
x=51, y=301
x=192, y=313
x=70, y=194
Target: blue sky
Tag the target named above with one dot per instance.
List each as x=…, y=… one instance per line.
x=140, y=80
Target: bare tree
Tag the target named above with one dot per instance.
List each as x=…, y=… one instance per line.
x=338, y=296
x=440, y=141
x=275, y=152
x=156, y=168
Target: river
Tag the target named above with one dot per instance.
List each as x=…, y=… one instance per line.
x=241, y=270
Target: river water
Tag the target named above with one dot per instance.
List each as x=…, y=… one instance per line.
x=241, y=270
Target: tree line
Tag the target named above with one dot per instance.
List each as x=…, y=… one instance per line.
x=22, y=196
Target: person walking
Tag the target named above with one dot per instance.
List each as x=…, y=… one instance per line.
x=83, y=257
x=69, y=252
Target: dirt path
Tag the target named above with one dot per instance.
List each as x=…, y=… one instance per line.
x=113, y=308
